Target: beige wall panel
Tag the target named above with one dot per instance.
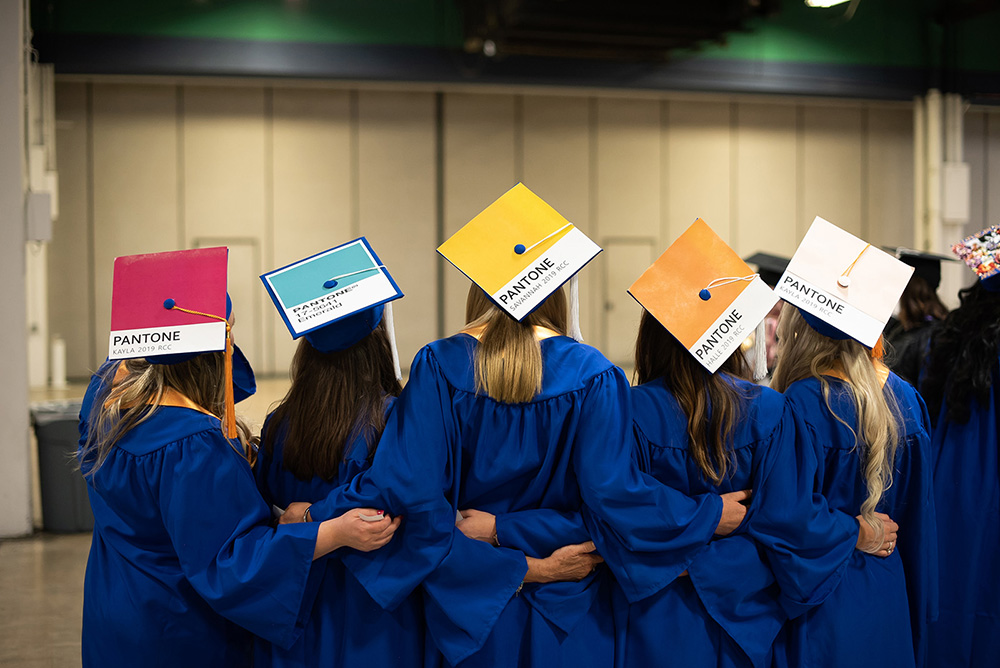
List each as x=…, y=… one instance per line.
x=831, y=168
x=890, y=177
x=624, y=262
x=557, y=166
x=991, y=212
x=478, y=168
x=398, y=205
x=627, y=200
x=224, y=180
x=628, y=168
x=698, y=141
x=764, y=211
x=312, y=191
x=135, y=183
x=70, y=307
x=975, y=154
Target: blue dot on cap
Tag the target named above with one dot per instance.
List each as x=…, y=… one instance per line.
x=519, y=249
x=169, y=303
x=330, y=284
x=705, y=294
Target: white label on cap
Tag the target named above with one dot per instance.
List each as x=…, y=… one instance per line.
x=726, y=334
x=829, y=308
x=198, y=338
x=544, y=276
x=339, y=303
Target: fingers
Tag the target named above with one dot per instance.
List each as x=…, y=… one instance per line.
x=471, y=513
x=588, y=546
x=740, y=496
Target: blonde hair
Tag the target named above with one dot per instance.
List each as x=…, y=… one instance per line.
x=509, y=357
x=804, y=352
x=122, y=406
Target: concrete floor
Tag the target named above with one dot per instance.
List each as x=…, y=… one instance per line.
x=41, y=576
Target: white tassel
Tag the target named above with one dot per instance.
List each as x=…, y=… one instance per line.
x=759, y=360
x=574, y=309
x=391, y=331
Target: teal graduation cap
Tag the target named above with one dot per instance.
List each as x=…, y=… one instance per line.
x=334, y=298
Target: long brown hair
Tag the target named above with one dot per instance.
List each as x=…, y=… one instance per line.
x=509, y=356
x=122, y=406
x=804, y=352
x=918, y=303
x=712, y=403
x=333, y=398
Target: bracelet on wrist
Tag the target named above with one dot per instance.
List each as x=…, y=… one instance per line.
x=306, y=517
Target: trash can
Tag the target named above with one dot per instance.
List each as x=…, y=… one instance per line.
x=65, y=506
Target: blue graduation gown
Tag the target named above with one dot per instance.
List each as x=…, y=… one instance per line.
x=731, y=607
x=184, y=566
x=967, y=495
x=346, y=627
x=867, y=620
x=445, y=448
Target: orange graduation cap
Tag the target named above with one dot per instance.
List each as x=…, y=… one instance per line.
x=169, y=307
x=705, y=295
x=520, y=250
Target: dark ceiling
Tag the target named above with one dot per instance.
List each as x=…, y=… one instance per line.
x=638, y=30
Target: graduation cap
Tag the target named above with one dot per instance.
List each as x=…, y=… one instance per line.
x=335, y=298
x=981, y=252
x=706, y=297
x=169, y=307
x=843, y=286
x=520, y=250
x=769, y=267
x=925, y=264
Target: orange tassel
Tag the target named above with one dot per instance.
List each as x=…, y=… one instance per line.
x=878, y=352
x=229, y=419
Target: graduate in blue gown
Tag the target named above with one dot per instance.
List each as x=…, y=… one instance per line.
x=699, y=432
x=184, y=566
x=512, y=417
x=878, y=614
x=322, y=434
x=962, y=389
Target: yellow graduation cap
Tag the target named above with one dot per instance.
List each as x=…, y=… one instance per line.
x=705, y=295
x=519, y=250
x=844, y=286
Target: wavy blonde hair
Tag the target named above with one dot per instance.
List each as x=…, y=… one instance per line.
x=804, y=352
x=509, y=356
x=122, y=406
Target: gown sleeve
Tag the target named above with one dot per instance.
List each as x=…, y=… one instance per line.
x=415, y=473
x=648, y=533
x=807, y=543
x=910, y=502
x=255, y=576
x=540, y=532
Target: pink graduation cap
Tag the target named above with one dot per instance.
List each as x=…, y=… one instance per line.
x=171, y=306
x=146, y=293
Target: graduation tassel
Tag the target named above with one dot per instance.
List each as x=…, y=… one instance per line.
x=229, y=419
x=760, y=351
x=574, y=309
x=391, y=331
x=878, y=352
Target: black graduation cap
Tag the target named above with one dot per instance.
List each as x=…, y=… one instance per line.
x=925, y=265
x=770, y=267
